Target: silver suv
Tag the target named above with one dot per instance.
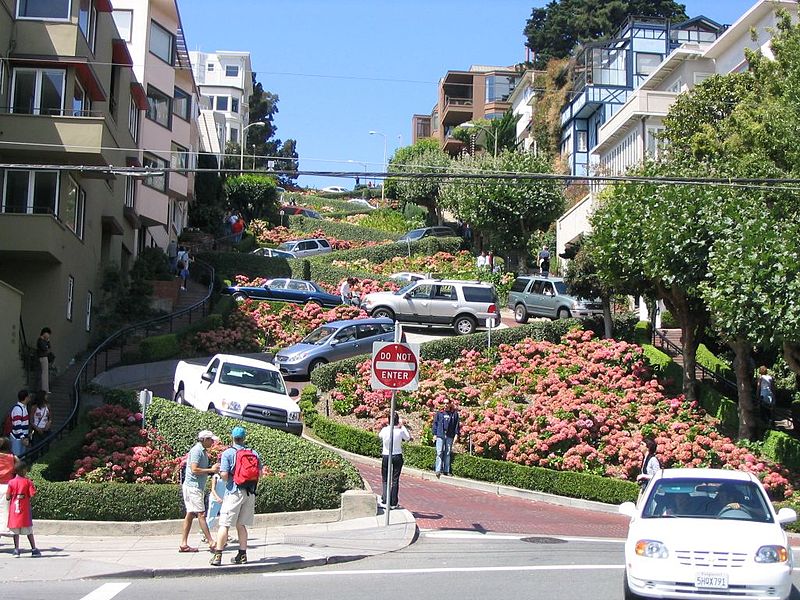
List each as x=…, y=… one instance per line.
x=537, y=296
x=462, y=305
x=310, y=247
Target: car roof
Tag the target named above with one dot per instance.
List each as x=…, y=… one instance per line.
x=247, y=361
x=455, y=282
x=726, y=474
x=346, y=322
x=543, y=278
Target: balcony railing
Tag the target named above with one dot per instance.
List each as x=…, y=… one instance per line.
x=452, y=101
x=51, y=112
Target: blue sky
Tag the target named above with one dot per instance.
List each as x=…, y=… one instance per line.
x=344, y=67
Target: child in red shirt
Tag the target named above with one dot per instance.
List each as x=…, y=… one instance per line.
x=20, y=520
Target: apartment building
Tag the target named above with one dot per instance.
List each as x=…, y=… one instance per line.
x=168, y=135
x=631, y=133
x=71, y=106
x=522, y=100
x=482, y=92
x=225, y=83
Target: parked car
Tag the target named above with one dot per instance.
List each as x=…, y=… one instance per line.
x=309, y=247
x=361, y=202
x=418, y=234
x=334, y=189
x=538, y=296
x=462, y=305
x=272, y=253
x=407, y=276
x=285, y=290
x=706, y=533
x=301, y=211
x=238, y=387
x=332, y=342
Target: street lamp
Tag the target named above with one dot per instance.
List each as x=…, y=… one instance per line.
x=470, y=125
x=383, y=185
x=242, y=142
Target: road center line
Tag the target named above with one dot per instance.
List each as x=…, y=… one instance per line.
x=106, y=591
x=446, y=570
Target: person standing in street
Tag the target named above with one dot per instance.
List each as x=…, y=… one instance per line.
x=346, y=291
x=240, y=468
x=20, y=424
x=400, y=435
x=194, y=488
x=445, y=430
x=19, y=492
x=544, y=261
x=45, y=356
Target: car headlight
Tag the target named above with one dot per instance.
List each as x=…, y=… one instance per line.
x=231, y=405
x=578, y=305
x=651, y=549
x=294, y=416
x=772, y=554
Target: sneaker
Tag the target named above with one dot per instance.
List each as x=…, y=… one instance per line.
x=396, y=507
x=381, y=504
x=240, y=558
x=216, y=560
x=16, y=553
x=36, y=552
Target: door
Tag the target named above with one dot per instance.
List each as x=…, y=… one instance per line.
x=275, y=289
x=306, y=248
x=443, y=304
x=368, y=334
x=297, y=291
x=344, y=343
x=197, y=394
x=534, y=299
x=549, y=301
x=415, y=305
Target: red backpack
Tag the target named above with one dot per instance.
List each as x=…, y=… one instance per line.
x=245, y=470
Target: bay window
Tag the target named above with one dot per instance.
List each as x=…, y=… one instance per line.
x=162, y=43
x=87, y=21
x=156, y=181
x=159, y=107
x=30, y=192
x=38, y=91
x=44, y=9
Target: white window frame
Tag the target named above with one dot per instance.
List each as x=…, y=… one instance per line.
x=31, y=187
x=130, y=192
x=91, y=34
x=210, y=67
x=675, y=88
x=156, y=24
x=89, y=300
x=232, y=67
x=65, y=19
x=70, y=296
x=133, y=119
x=160, y=164
x=581, y=141
x=235, y=105
x=37, y=96
x=130, y=27
x=77, y=227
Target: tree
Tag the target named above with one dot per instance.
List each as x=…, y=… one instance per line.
x=255, y=196
x=507, y=211
x=208, y=208
x=583, y=281
x=502, y=132
x=424, y=156
x=553, y=31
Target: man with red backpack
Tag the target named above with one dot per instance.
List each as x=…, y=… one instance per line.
x=240, y=468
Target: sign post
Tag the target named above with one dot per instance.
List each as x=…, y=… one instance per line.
x=395, y=366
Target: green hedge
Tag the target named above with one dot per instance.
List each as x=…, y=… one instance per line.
x=707, y=359
x=564, y=483
x=340, y=230
x=717, y=405
x=308, y=400
x=170, y=345
x=229, y=264
x=783, y=448
x=642, y=334
x=667, y=370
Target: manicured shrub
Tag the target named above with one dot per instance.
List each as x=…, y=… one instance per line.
x=783, y=448
x=666, y=369
x=340, y=230
x=642, y=333
x=229, y=264
x=308, y=400
x=247, y=245
x=720, y=407
x=159, y=347
x=707, y=359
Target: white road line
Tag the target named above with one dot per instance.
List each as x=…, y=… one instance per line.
x=106, y=591
x=446, y=570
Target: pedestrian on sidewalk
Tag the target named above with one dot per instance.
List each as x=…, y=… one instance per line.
x=46, y=357
x=41, y=423
x=400, y=435
x=240, y=468
x=19, y=492
x=194, y=487
x=480, y=262
x=765, y=392
x=8, y=468
x=445, y=430
x=650, y=462
x=20, y=435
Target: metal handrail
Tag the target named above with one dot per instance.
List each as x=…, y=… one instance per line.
x=706, y=372
x=110, y=342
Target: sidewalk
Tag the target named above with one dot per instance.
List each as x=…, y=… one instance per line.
x=70, y=557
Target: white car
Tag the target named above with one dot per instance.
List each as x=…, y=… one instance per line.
x=360, y=202
x=407, y=276
x=334, y=189
x=707, y=533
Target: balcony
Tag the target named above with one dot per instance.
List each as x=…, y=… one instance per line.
x=457, y=110
x=76, y=140
x=35, y=237
x=642, y=103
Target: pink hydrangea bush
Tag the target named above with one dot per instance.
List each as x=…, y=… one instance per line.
x=581, y=405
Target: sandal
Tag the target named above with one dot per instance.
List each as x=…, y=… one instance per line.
x=212, y=548
x=187, y=549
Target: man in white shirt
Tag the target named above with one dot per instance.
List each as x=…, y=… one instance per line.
x=480, y=262
x=346, y=292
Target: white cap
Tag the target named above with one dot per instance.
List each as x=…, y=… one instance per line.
x=205, y=434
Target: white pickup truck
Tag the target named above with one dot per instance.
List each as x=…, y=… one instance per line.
x=238, y=387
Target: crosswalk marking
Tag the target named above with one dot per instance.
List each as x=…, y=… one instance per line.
x=106, y=591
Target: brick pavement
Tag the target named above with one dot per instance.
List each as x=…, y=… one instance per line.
x=441, y=506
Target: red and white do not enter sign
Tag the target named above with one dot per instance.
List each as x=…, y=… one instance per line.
x=395, y=366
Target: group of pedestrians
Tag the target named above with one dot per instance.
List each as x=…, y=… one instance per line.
x=233, y=225
x=28, y=422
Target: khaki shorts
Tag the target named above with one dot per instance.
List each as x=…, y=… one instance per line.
x=194, y=499
x=238, y=508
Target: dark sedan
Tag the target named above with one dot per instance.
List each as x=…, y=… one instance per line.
x=286, y=290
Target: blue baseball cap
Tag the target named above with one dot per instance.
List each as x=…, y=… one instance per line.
x=238, y=432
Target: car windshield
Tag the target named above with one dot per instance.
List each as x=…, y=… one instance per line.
x=707, y=499
x=414, y=234
x=561, y=288
x=254, y=378
x=287, y=246
x=405, y=288
x=319, y=336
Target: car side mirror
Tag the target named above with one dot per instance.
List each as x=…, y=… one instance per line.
x=407, y=295
x=207, y=377
x=787, y=515
x=294, y=392
x=628, y=509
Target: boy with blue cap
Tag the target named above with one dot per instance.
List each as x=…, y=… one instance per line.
x=239, y=468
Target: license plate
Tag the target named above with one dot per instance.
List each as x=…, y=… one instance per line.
x=714, y=581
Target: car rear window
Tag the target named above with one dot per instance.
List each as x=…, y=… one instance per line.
x=520, y=284
x=479, y=294
x=324, y=243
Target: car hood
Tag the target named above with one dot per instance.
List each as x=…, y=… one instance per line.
x=378, y=296
x=723, y=535
x=258, y=398
x=298, y=348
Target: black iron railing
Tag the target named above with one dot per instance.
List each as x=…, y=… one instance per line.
x=99, y=359
x=723, y=383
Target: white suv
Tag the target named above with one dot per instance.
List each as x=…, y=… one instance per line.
x=301, y=248
x=462, y=305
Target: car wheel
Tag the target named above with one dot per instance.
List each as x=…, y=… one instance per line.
x=316, y=365
x=383, y=313
x=180, y=397
x=239, y=297
x=627, y=594
x=521, y=314
x=464, y=325
x=563, y=313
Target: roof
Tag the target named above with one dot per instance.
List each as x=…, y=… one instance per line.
x=743, y=24
x=727, y=474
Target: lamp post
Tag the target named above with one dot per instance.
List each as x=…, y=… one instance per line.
x=243, y=141
x=383, y=183
x=471, y=125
